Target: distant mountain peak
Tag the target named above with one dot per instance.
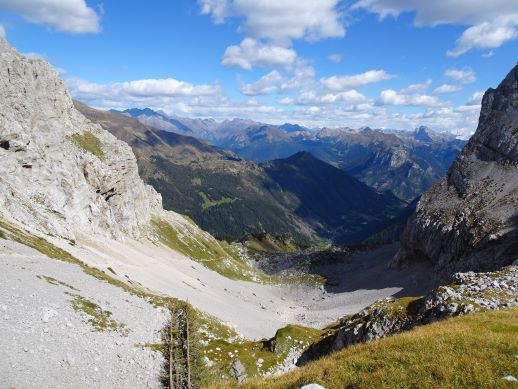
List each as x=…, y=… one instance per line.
x=422, y=134
x=140, y=111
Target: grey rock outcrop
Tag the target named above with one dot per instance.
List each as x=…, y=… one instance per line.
x=469, y=220
x=50, y=179
x=470, y=292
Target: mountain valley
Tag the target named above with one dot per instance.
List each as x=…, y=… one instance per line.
x=283, y=249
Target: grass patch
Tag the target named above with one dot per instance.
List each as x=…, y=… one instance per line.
x=90, y=143
x=100, y=319
x=196, y=181
x=272, y=352
x=53, y=281
x=473, y=351
x=208, y=203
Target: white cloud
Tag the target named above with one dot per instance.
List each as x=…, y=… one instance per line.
x=491, y=22
x=139, y=90
x=303, y=76
x=336, y=58
x=487, y=35
x=476, y=98
x=350, y=97
x=266, y=85
x=280, y=21
x=252, y=53
x=286, y=101
x=392, y=97
x=72, y=16
x=466, y=76
x=341, y=83
x=417, y=88
x=3, y=34
x=446, y=88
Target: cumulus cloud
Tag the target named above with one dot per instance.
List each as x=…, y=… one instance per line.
x=3, y=34
x=392, y=97
x=417, y=88
x=71, y=16
x=302, y=76
x=476, y=98
x=252, y=53
x=341, y=83
x=153, y=91
x=336, y=58
x=486, y=35
x=446, y=88
x=266, y=85
x=280, y=21
x=350, y=97
x=491, y=23
x=465, y=76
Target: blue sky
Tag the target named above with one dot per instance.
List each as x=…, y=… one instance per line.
x=378, y=63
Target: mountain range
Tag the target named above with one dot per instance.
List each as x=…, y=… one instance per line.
x=300, y=196
x=406, y=163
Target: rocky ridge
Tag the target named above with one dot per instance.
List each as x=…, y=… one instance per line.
x=468, y=293
x=468, y=221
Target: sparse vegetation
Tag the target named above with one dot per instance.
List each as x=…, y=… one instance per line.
x=89, y=142
x=53, y=281
x=100, y=319
x=473, y=351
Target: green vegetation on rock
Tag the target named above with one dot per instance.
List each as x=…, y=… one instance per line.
x=89, y=142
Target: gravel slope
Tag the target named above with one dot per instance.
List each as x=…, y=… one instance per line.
x=45, y=343
x=255, y=310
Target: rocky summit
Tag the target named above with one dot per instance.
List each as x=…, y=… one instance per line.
x=469, y=220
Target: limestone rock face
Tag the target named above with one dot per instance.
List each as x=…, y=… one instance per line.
x=61, y=174
x=469, y=220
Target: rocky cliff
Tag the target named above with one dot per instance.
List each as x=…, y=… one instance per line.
x=62, y=174
x=469, y=220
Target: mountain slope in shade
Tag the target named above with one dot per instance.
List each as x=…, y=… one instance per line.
x=469, y=220
x=329, y=199
x=226, y=195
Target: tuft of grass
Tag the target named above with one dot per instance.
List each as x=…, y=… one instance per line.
x=473, y=351
x=208, y=203
x=89, y=142
x=53, y=281
x=100, y=319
